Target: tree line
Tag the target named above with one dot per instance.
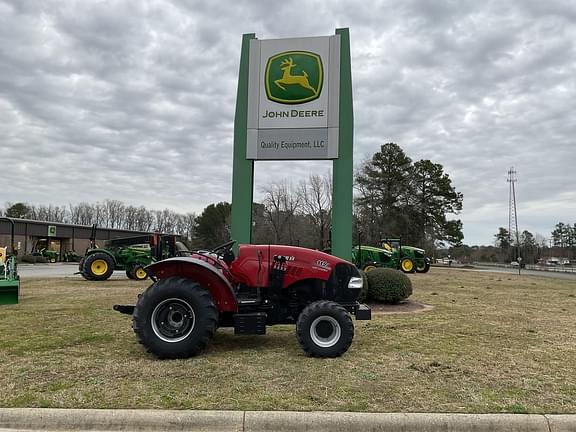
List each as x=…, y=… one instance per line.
x=394, y=197
x=532, y=248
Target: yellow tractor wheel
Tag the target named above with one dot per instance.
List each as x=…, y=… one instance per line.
x=98, y=266
x=369, y=267
x=140, y=273
x=407, y=265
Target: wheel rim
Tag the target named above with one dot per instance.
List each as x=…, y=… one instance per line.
x=368, y=268
x=173, y=320
x=325, y=331
x=140, y=273
x=407, y=265
x=421, y=267
x=99, y=267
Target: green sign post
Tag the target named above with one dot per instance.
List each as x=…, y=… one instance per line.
x=294, y=102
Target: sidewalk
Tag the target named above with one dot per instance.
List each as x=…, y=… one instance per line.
x=36, y=419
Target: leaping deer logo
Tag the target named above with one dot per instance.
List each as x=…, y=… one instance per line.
x=288, y=79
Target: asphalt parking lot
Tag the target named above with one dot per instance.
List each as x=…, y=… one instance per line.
x=56, y=270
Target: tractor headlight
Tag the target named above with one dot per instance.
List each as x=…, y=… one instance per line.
x=355, y=283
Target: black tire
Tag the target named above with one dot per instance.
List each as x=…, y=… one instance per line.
x=423, y=268
x=324, y=329
x=130, y=273
x=81, y=264
x=138, y=272
x=98, y=266
x=175, y=318
x=407, y=265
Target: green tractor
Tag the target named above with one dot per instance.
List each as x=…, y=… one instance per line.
x=42, y=248
x=392, y=254
x=9, y=279
x=420, y=262
x=131, y=254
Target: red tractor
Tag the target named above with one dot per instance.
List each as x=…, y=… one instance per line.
x=177, y=316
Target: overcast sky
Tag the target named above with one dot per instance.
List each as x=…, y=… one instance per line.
x=134, y=100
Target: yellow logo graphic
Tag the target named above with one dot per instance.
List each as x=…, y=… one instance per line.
x=294, y=77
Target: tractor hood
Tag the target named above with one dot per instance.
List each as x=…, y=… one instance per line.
x=253, y=261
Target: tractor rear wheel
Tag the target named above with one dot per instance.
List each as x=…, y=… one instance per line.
x=407, y=265
x=422, y=267
x=175, y=318
x=368, y=268
x=324, y=329
x=98, y=266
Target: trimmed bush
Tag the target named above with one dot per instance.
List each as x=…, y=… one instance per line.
x=41, y=260
x=364, y=291
x=388, y=285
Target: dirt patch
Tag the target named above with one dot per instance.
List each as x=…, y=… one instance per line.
x=407, y=306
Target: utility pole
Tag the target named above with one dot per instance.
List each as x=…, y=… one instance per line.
x=513, y=216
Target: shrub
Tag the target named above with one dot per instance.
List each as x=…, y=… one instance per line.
x=364, y=291
x=388, y=285
x=41, y=260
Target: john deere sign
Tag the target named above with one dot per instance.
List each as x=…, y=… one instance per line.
x=293, y=98
x=294, y=77
x=294, y=102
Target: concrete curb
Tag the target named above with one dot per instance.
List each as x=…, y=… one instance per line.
x=28, y=419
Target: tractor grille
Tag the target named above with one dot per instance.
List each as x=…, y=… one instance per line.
x=339, y=282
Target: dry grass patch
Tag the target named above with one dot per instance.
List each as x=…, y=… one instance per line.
x=492, y=343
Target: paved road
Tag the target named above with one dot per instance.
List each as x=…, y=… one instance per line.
x=524, y=272
x=57, y=270
x=60, y=270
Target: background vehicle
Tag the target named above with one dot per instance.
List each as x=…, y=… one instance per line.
x=420, y=262
x=367, y=258
x=264, y=285
x=393, y=254
x=131, y=254
x=42, y=248
x=9, y=279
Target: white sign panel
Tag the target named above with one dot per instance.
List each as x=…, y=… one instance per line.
x=293, y=98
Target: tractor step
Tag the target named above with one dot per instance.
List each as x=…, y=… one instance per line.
x=363, y=312
x=250, y=323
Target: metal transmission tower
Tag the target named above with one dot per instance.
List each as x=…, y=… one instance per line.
x=513, y=235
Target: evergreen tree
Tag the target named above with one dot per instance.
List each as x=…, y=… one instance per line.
x=213, y=224
x=400, y=199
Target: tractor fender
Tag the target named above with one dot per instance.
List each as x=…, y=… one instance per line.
x=104, y=251
x=202, y=272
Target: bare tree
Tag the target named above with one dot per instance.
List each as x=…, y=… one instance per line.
x=281, y=205
x=316, y=204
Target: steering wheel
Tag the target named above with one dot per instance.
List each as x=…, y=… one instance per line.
x=223, y=248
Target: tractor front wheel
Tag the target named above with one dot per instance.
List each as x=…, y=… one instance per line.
x=175, y=318
x=324, y=329
x=136, y=272
x=407, y=265
x=98, y=266
x=139, y=272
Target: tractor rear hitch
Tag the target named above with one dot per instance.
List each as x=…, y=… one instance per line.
x=124, y=309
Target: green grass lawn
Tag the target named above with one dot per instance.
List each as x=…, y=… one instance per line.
x=492, y=343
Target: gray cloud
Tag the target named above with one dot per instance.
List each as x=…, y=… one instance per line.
x=135, y=100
